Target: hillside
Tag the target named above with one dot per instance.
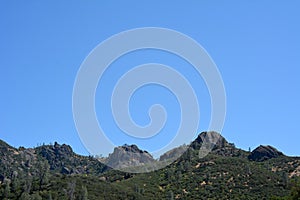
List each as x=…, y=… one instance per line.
x=56, y=172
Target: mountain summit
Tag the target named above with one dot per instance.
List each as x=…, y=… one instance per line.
x=213, y=138
x=128, y=156
x=262, y=153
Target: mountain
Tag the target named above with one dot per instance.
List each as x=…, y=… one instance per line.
x=227, y=172
x=60, y=158
x=262, y=153
x=128, y=156
x=218, y=143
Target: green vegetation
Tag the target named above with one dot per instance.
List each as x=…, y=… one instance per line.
x=55, y=172
x=294, y=191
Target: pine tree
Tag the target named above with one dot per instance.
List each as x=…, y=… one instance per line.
x=25, y=196
x=7, y=190
x=42, y=173
x=36, y=196
x=50, y=196
x=16, y=185
x=171, y=195
x=71, y=190
x=83, y=193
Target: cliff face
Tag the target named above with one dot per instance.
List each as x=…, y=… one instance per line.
x=214, y=138
x=128, y=156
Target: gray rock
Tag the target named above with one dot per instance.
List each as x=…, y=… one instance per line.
x=262, y=153
x=128, y=156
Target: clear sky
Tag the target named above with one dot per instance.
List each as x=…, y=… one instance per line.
x=255, y=44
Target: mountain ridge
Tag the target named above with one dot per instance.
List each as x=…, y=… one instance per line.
x=198, y=140
x=226, y=172
x=54, y=153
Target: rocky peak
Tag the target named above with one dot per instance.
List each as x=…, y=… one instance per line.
x=217, y=144
x=56, y=151
x=62, y=149
x=210, y=137
x=128, y=156
x=62, y=159
x=262, y=153
x=132, y=148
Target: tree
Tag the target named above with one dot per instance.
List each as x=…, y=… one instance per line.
x=7, y=190
x=16, y=185
x=25, y=196
x=70, y=192
x=187, y=166
x=50, y=196
x=27, y=185
x=36, y=196
x=42, y=173
x=83, y=193
x=171, y=195
x=285, y=179
x=295, y=192
x=248, y=169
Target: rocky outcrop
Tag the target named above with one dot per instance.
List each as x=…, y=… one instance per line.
x=215, y=143
x=262, y=153
x=61, y=159
x=209, y=138
x=55, y=154
x=173, y=154
x=128, y=156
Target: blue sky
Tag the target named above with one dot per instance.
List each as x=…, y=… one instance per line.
x=255, y=45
